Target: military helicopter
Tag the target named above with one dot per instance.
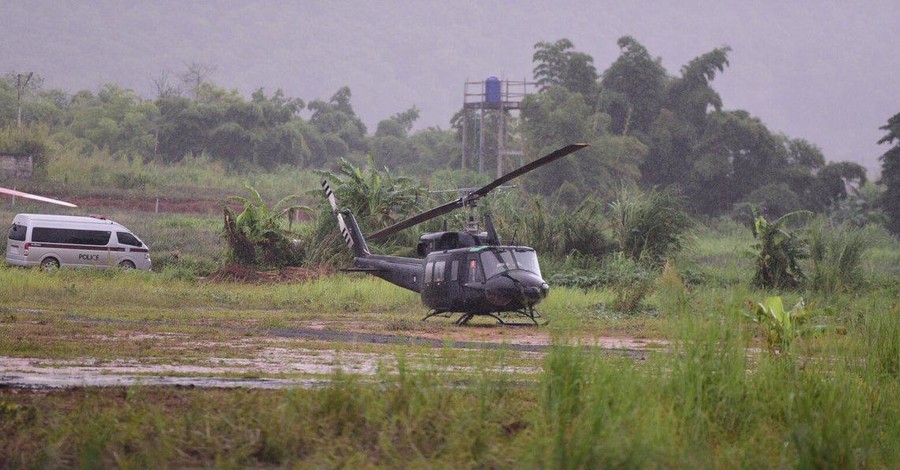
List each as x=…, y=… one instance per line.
x=468, y=271
x=13, y=192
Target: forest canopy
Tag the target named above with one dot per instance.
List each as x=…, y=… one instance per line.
x=646, y=126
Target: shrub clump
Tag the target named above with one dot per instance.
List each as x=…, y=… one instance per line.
x=649, y=226
x=256, y=237
x=32, y=141
x=629, y=281
x=836, y=253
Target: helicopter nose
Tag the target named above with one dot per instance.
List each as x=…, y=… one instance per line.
x=537, y=293
x=516, y=289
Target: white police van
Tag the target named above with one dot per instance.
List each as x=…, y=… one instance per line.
x=51, y=241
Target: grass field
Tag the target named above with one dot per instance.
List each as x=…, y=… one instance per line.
x=705, y=402
x=686, y=380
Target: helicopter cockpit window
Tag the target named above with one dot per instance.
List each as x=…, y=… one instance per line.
x=496, y=262
x=528, y=261
x=508, y=259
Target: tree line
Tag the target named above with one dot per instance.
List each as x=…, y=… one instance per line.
x=191, y=115
x=656, y=129
x=646, y=127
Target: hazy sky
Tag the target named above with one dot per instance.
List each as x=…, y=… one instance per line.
x=825, y=71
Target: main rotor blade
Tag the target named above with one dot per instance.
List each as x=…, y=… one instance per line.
x=474, y=195
x=556, y=155
x=417, y=219
x=13, y=192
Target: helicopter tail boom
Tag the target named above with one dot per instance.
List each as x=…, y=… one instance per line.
x=349, y=228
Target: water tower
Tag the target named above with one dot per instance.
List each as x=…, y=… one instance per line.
x=491, y=102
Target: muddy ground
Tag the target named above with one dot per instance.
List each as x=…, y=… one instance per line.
x=306, y=355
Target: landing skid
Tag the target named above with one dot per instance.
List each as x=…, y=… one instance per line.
x=437, y=313
x=530, y=313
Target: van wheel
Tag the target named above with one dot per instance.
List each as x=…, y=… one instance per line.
x=49, y=264
x=126, y=264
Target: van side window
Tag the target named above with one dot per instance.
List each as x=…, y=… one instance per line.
x=126, y=238
x=70, y=236
x=17, y=232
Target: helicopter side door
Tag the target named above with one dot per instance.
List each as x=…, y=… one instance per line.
x=435, y=286
x=471, y=275
x=454, y=289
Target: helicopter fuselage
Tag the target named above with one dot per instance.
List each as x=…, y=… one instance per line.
x=468, y=271
x=477, y=280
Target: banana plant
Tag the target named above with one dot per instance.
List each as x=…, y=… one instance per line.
x=258, y=228
x=377, y=198
x=782, y=326
x=779, y=249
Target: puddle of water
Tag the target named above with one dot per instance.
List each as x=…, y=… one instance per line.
x=60, y=380
x=277, y=355
x=88, y=371
x=268, y=361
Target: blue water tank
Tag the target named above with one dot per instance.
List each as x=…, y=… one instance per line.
x=492, y=90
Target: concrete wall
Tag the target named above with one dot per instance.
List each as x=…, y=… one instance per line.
x=16, y=166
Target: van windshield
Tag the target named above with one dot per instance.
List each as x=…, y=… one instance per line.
x=17, y=232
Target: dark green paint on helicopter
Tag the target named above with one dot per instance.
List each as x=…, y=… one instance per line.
x=466, y=271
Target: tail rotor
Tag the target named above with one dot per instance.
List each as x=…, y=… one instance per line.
x=349, y=228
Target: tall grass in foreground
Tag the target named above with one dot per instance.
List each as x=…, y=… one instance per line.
x=880, y=335
x=707, y=403
x=412, y=418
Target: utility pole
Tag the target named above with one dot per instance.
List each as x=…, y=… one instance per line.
x=20, y=86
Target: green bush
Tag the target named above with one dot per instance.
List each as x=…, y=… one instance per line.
x=649, y=227
x=629, y=281
x=836, y=253
x=551, y=230
x=774, y=200
x=32, y=141
x=671, y=292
